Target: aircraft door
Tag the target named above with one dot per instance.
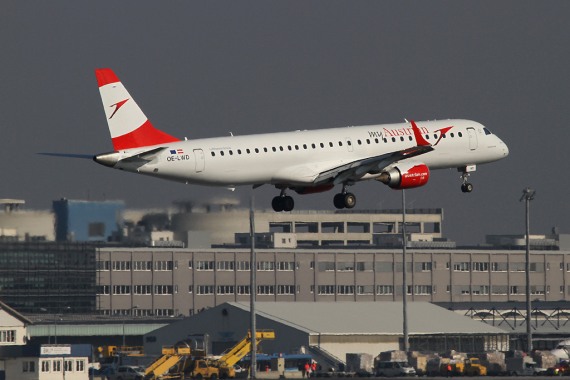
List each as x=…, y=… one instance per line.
x=472, y=138
x=199, y=160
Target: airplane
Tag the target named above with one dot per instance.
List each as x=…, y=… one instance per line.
x=562, y=350
x=400, y=155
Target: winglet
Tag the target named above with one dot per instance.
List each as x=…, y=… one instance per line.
x=420, y=141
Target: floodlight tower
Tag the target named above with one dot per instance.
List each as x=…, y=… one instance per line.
x=528, y=195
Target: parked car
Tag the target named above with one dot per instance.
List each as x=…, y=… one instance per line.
x=393, y=369
x=128, y=372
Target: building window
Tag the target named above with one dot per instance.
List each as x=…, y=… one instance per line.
x=384, y=267
x=142, y=289
x=163, y=265
x=480, y=290
x=345, y=266
x=517, y=267
x=103, y=265
x=162, y=289
x=345, y=289
x=420, y=290
x=286, y=266
x=266, y=266
x=383, y=290
x=243, y=266
x=121, y=289
x=326, y=266
x=514, y=290
x=225, y=289
x=204, y=289
x=142, y=265
x=499, y=289
x=365, y=289
x=205, y=265
x=56, y=365
x=163, y=312
x=499, y=267
x=286, y=289
x=364, y=266
x=537, y=290
x=28, y=366
x=79, y=365
x=243, y=290
x=45, y=365
x=121, y=265
x=326, y=290
x=461, y=267
x=480, y=266
x=225, y=266
x=425, y=266
x=265, y=289
x=103, y=289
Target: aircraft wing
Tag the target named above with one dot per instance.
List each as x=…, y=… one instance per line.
x=357, y=169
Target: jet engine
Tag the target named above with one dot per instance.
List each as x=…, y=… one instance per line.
x=405, y=176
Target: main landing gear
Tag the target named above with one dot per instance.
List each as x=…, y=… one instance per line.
x=283, y=202
x=344, y=199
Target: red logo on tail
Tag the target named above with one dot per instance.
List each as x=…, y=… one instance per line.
x=117, y=105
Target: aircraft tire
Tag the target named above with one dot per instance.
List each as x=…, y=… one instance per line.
x=277, y=204
x=338, y=201
x=349, y=200
x=288, y=203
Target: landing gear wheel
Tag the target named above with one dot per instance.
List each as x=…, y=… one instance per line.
x=288, y=203
x=278, y=204
x=467, y=187
x=282, y=203
x=338, y=201
x=349, y=200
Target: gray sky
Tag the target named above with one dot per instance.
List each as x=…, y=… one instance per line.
x=203, y=69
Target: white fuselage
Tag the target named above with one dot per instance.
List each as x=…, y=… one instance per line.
x=296, y=158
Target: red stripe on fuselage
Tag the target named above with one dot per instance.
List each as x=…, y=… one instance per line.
x=145, y=135
x=105, y=76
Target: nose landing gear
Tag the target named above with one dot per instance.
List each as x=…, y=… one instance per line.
x=466, y=187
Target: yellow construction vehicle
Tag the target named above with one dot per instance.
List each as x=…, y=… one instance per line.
x=473, y=367
x=178, y=361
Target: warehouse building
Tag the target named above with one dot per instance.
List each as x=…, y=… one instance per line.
x=334, y=329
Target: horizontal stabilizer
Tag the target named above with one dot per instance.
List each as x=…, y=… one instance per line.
x=69, y=155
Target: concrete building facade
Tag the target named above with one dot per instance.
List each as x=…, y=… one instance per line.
x=183, y=281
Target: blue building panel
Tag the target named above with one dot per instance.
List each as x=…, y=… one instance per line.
x=88, y=221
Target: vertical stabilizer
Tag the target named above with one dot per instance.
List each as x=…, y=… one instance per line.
x=128, y=125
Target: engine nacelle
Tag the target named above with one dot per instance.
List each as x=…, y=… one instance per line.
x=405, y=176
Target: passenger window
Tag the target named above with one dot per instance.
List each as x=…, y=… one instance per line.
x=393, y=139
x=410, y=138
x=452, y=135
x=296, y=147
x=349, y=142
x=222, y=152
x=239, y=151
x=289, y=147
x=231, y=153
x=265, y=150
x=376, y=140
x=385, y=140
x=359, y=142
x=435, y=136
x=247, y=151
x=322, y=145
x=427, y=137
x=256, y=150
x=304, y=146
x=340, y=143
x=274, y=149
x=459, y=134
x=401, y=138
x=331, y=144
x=213, y=154
x=281, y=148
x=314, y=146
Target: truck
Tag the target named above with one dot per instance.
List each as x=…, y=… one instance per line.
x=181, y=361
x=468, y=367
x=523, y=366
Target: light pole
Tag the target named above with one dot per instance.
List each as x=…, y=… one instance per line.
x=404, y=276
x=253, y=291
x=131, y=315
x=528, y=195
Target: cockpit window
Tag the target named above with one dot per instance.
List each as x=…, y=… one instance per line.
x=487, y=132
